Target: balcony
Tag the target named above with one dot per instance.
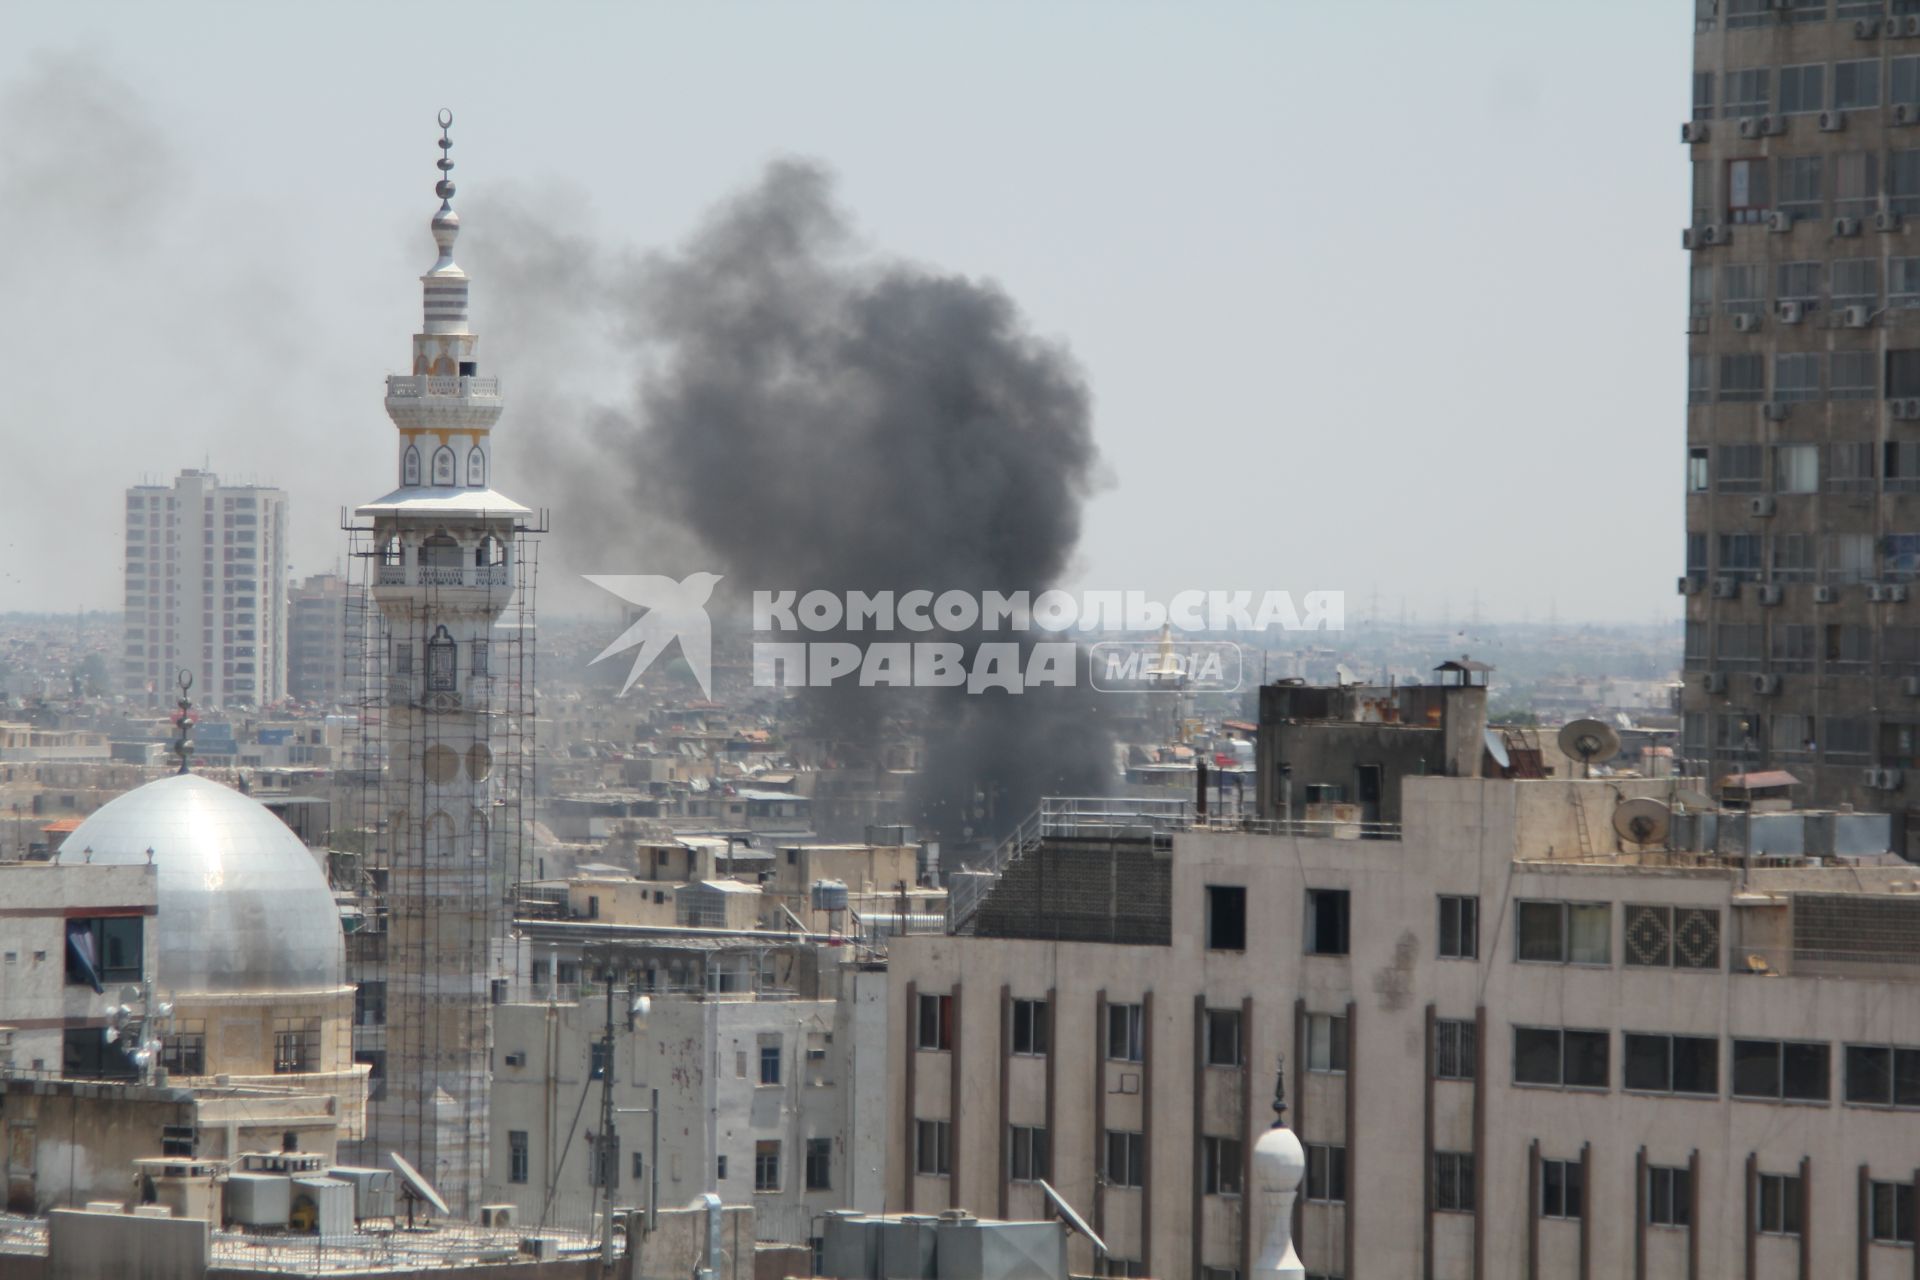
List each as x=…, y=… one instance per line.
x=435, y=575
x=420, y=386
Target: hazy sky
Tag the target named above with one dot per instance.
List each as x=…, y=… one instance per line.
x=1379, y=297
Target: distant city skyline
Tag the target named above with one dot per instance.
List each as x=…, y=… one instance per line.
x=1319, y=359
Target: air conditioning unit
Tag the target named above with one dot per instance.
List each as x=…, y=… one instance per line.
x=1770, y=593
x=1792, y=312
x=1714, y=682
x=1766, y=683
x=1913, y=25
x=1876, y=594
x=1762, y=506
x=1904, y=409
x=1910, y=685
x=1703, y=236
x=1688, y=586
x=1778, y=410
x=1832, y=121
x=517, y=1059
x=1846, y=226
x=1857, y=317
x=1772, y=126
x=1886, y=220
x=1726, y=588
x=1896, y=592
x=1696, y=324
x=1746, y=322
x=1883, y=779
x=496, y=1215
x=1866, y=28
x=1906, y=113
x=1823, y=594
x=1693, y=131
x=1779, y=222
x=1749, y=126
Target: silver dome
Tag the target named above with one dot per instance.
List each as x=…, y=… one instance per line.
x=243, y=906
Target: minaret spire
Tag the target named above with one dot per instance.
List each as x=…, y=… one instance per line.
x=445, y=284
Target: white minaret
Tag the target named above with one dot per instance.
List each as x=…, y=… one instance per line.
x=444, y=570
x=1279, y=1163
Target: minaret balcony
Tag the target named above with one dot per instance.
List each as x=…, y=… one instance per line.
x=437, y=575
x=435, y=402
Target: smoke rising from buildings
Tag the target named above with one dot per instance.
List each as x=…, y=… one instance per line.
x=812, y=415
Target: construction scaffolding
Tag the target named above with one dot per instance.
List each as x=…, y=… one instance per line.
x=439, y=787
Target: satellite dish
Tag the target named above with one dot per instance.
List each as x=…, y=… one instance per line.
x=1589, y=740
x=418, y=1186
x=1073, y=1220
x=1498, y=750
x=1643, y=821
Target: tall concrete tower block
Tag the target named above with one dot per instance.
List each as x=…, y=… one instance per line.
x=446, y=707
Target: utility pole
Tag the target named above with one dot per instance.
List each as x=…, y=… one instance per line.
x=604, y=1150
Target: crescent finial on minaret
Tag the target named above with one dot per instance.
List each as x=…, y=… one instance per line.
x=1280, y=1091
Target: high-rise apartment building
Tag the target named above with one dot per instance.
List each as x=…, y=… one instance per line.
x=1803, y=414
x=317, y=640
x=206, y=591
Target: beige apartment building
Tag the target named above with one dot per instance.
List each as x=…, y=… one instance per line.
x=1803, y=399
x=1517, y=1043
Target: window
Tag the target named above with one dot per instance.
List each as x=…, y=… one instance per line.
x=1743, y=379
x=819, y=1164
x=1798, y=194
x=1659, y=1063
x=1852, y=378
x=1453, y=1181
x=766, y=1165
x=1780, y=1069
x=1698, y=476
x=1703, y=95
x=1326, y=1173
x=1856, y=282
x=1669, y=1196
x=1327, y=1042
x=86, y=1055
x=1027, y=1153
x=720, y=1169
x=1856, y=85
x=517, y=1155
x=1778, y=1205
x=1562, y=1189
x=1746, y=92
x=936, y=1022
x=1796, y=377
x=184, y=1051
x=1847, y=735
x=1459, y=927
x=1849, y=557
x=296, y=1045
x=370, y=1004
x=1032, y=1028
x=770, y=1063
x=1221, y=1163
x=1699, y=378
x=1802, y=89
x=1739, y=469
x=1902, y=466
x=1563, y=932
x=1743, y=289
x=1454, y=1049
x=1226, y=917
x=1890, y=1213
x=1700, y=290
x=1856, y=184
x=1223, y=1037
x=931, y=1150
x=597, y=1060
x=1672, y=937
x=1903, y=181
x=1552, y=1056
x=1327, y=922
x=1125, y=1038
x=1748, y=202
x=1126, y=1158
x=103, y=949
x=1881, y=1075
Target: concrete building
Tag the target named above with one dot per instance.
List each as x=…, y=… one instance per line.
x=1517, y=1043
x=769, y=1090
x=206, y=591
x=1803, y=525
x=317, y=641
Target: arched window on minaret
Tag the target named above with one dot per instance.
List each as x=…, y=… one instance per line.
x=410, y=467
x=491, y=551
x=476, y=468
x=440, y=836
x=390, y=550
x=442, y=675
x=443, y=468
x=440, y=551
x=477, y=833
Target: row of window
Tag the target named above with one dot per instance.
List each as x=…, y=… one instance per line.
x=1853, y=84
x=1852, y=467
x=603, y=1167
x=1741, y=377
x=1841, y=558
x=1843, y=739
x=1797, y=648
x=1763, y=1070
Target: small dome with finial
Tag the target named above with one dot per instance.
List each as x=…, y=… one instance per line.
x=446, y=223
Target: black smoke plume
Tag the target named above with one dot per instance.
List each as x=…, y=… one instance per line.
x=811, y=415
